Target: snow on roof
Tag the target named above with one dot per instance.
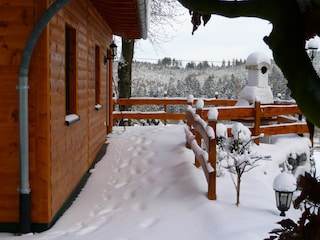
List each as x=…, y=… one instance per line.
x=257, y=58
x=313, y=44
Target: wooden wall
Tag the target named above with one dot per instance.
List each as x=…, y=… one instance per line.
x=98, y=35
x=59, y=154
x=17, y=19
x=73, y=148
x=39, y=123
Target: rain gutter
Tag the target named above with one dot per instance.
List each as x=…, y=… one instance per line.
x=24, y=189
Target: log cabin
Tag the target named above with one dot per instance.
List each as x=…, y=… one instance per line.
x=68, y=98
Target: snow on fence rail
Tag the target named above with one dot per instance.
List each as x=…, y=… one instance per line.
x=164, y=101
x=266, y=119
x=269, y=119
x=198, y=132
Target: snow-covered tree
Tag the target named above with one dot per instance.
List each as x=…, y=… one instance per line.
x=240, y=158
x=209, y=87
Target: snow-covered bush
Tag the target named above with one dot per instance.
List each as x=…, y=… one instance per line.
x=239, y=158
x=221, y=138
x=299, y=157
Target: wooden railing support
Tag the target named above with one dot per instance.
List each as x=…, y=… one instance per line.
x=199, y=111
x=213, y=144
x=212, y=158
x=269, y=119
x=257, y=121
x=189, y=104
x=206, y=158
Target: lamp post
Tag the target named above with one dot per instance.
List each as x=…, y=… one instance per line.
x=312, y=48
x=284, y=185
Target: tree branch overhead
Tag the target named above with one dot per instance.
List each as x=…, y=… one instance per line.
x=293, y=22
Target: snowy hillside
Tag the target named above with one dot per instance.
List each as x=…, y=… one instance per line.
x=201, y=80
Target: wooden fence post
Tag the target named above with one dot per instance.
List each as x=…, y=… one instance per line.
x=189, y=103
x=199, y=111
x=165, y=107
x=257, y=121
x=212, y=155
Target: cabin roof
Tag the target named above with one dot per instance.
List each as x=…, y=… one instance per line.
x=126, y=18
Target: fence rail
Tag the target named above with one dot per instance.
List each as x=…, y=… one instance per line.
x=269, y=119
x=163, y=114
x=200, y=127
x=204, y=157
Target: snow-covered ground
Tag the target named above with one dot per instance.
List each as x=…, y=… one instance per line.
x=146, y=187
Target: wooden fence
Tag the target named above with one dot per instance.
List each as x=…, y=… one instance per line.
x=269, y=119
x=164, y=102
x=197, y=131
x=266, y=119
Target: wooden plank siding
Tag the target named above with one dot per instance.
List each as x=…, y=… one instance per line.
x=73, y=148
x=16, y=22
x=59, y=155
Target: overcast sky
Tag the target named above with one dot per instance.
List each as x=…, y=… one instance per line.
x=221, y=39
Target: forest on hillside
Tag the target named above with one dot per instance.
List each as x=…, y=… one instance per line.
x=171, y=77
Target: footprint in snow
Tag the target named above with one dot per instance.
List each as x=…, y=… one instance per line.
x=121, y=184
x=129, y=194
x=98, y=212
x=148, y=223
x=124, y=164
x=136, y=171
x=157, y=191
x=91, y=226
x=130, y=148
x=139, y=140
x=138, y=207
x=105, y=197
x=148, y=180
x=147, y=142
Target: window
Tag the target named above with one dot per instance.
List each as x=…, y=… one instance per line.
x=97, y=79
x=71, y=73
x=71, y=80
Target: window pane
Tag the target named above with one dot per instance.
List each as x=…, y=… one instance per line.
x=71, y=79
x=97, y=74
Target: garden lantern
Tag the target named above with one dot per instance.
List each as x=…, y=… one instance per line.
x=283, y=200
x=284, y=186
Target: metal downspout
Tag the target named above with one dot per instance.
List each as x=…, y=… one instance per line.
x=144, y=12
x=24, y=189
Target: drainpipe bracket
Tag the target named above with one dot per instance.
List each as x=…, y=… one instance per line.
x=24, y=191
x=22, y=87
